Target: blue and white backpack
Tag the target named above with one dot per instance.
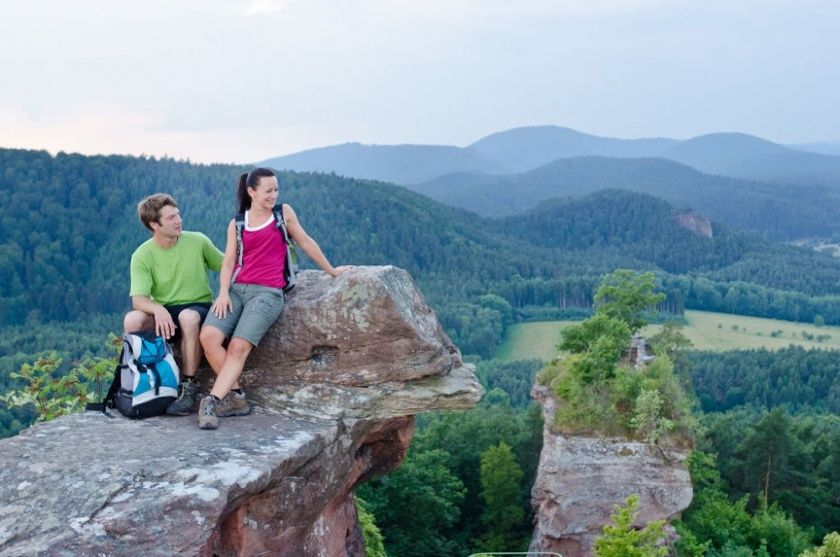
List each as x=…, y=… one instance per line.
x=146, y=378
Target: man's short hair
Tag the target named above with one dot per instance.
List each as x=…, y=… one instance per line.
x=149, y=208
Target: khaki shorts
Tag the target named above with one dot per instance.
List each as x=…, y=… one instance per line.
x=255, y=309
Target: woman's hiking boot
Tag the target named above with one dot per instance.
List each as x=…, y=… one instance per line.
x=187, y=397
x=234, y=404
x=207, y=418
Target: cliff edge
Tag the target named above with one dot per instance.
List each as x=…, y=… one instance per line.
x=336, y=382
x=581, y=478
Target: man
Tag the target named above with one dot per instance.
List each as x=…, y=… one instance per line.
x=170, y=292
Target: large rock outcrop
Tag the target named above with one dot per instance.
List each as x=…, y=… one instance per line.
x=580, y=479
x=337, y=380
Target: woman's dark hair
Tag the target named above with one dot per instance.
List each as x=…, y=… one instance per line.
x=249, y=180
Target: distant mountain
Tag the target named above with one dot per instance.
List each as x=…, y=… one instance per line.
x=745, y=156
x=819, y=147
x=775, y=211
x=522, y=149
x=399, y=164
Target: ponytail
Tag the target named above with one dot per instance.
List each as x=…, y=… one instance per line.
x=243, y=200
x=249, y=180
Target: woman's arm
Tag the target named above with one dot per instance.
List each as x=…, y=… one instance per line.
x=307, y=244
x=223, y=305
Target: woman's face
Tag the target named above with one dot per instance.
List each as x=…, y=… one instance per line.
x=265, y=194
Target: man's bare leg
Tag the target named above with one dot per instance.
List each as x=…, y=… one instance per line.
x=136, y=320
x=190, y=323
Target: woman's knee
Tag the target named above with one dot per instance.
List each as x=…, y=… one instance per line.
x=210, y=337
x=239, y=348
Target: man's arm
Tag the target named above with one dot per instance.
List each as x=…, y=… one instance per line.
x=141, y=289
x=212, y=256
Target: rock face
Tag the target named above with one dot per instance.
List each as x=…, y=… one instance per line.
x=695, y=222
x=278, y=482
x=581, y=479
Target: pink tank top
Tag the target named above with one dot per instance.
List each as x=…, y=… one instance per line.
x=263, y=255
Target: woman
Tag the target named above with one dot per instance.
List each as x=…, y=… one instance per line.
x=251, y=295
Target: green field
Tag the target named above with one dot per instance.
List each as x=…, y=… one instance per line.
x=706, y=330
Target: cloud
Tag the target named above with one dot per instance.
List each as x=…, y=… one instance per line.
x=255, y=7
x=117, y=131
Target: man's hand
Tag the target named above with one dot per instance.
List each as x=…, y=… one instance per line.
x=164, y=326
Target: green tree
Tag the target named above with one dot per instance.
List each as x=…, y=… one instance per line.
x=54, y=394
x=767, y=455
x=417, y=505
x=671, y=342
x=500, y=490
x=829, y=548
x=374, y=542
x=648, y=419
x=599, y=341
x=621, y=539
x=778, y=532
x=625, y=295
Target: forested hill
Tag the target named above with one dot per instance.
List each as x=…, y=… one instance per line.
x=642, y=226
x=775, y=211
x=69, y=227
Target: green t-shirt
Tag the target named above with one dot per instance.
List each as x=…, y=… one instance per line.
x=177, y=275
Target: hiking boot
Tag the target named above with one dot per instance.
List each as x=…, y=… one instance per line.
x=187, y=396
x=234, y=404
x=207, y=418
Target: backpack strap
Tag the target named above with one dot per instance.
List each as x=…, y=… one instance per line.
x=291, y=254
x=280, y=222
x=239, y=223
x=155, y=376
x=109, y=397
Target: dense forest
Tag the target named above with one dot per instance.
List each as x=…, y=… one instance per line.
x=765, y=469
x=69, y=227
x=771, y=210
x=799, y=380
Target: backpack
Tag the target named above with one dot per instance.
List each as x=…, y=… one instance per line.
x=146, y=378
x=291, y=267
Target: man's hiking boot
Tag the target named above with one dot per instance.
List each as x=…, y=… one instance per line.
x=207, y=418
x=234, y=404
x=187, y=395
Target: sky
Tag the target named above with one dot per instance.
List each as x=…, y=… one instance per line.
x=245, y=80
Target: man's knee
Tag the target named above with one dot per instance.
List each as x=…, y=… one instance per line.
x=189, y=320
x=136, y=320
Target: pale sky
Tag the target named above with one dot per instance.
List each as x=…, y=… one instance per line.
x=245, y=80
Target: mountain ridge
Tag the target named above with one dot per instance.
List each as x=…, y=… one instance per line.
x=524, y=148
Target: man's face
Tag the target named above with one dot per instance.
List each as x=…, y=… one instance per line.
x=169, y=222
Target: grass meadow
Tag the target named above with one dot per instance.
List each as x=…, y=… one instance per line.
x=707, y=331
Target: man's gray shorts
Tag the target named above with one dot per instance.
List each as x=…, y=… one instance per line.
x=255, y=309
